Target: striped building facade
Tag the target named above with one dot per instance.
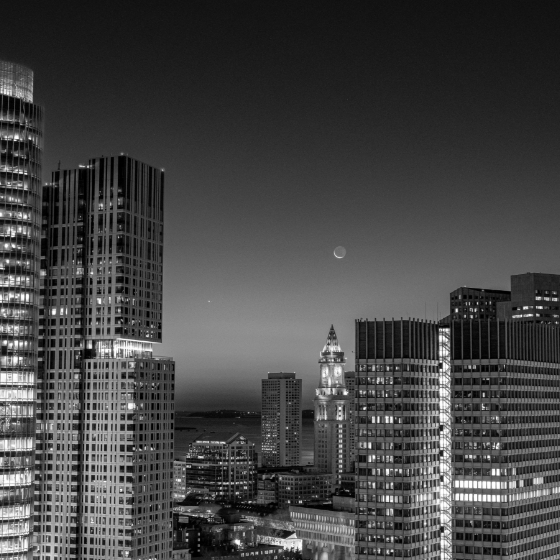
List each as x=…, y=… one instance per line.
x=397, y=439
x=105, y=404
x=458, y=439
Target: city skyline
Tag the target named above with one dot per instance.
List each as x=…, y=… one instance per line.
x=424, y=145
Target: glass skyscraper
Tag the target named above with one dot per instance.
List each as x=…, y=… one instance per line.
x=21, y=137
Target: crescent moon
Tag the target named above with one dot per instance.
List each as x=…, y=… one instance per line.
x=340, y=252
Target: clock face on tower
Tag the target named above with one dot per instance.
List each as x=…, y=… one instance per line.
x=325, y=371
x=337, y=371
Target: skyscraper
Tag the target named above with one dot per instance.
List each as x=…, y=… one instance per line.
x=398, y=440
x=506, y=439
x=21, y=143
x=464, y=466
x=332, y=413
x=281, y=420
x=105, y=405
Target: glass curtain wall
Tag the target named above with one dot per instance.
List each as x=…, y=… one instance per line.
x=21, y=137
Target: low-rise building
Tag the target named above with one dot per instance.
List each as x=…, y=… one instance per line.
x=303, y=487
x=186, y=533
x=267, y=489
x=286, y=539
x=327, y=532
x=222, y=464
x=181, y=551
x=260, y=552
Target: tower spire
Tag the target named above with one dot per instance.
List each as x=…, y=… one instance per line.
x=332, y=347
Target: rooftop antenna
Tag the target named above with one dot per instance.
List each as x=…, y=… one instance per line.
x=59, y=162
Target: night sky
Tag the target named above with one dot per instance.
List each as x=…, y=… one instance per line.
x=421, y=136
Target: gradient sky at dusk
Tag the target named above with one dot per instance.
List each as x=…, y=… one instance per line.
x=423, y=137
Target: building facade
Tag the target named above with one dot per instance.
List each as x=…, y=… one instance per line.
x=303, y=487
x=398, y=440
x=481, y=479
x=327, y=532
x=281, y=420
x=21, y=143
x=223, y=465
x=267, y=488
x=475, y=303
x=179, y=480
x=105, y=403
x=332, y=413
x=506, y=440
x=534, y=299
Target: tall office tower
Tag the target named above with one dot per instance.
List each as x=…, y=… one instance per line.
x=21, y=143
x=534, y=299
x=281, y=420
x=475, y=303
x=332, y=413
x=398, y=440
x=506, y=440
x=350, y=380
x=105, y=407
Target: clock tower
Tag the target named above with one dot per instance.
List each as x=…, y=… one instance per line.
x=332, y=413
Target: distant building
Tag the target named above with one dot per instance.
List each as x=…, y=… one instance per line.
x=303, y=487
x=286, y=539
x=333, y=451
x=181, y=552
x=475, y=303
x=534, y=299
x=348, y=482
x=186, y=533
x=179, y=480
x=259, y=552
x=327, y=532
x=267, y=489
x=227, y=529
x=281, y=420
x=222, y=464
